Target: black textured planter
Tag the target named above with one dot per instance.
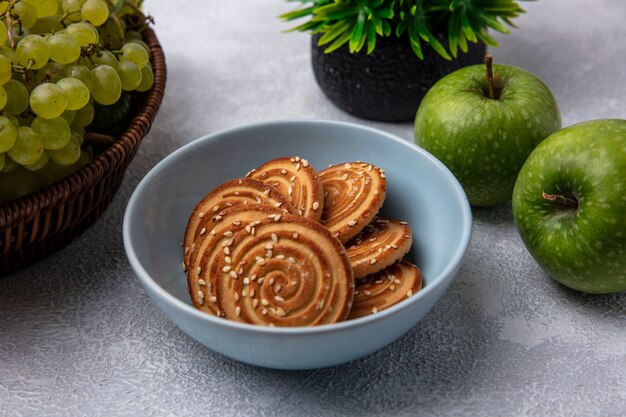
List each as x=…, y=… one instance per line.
x=389, y=84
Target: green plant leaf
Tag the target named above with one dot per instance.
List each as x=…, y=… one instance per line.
x=371, y=38
x=467, y=28
x=432, y=40
x=362, y=22
x=415, y=41
x=453, y=38
x=509, y=22
x=339, y=42
x=335, y=31
x=386, y=13
x=462, y=40
x=401, y=27
x=334, y=12
x=486, y=38
x=296, y=14
x=493, y=23
x=417, y=49
x=378, y=25
x=309, y=26
x=361, y=43
x=438, y=47
x=358, y=33
x=386, y=28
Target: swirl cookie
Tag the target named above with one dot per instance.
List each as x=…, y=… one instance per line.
x=296, y=179
x=279, y=270
x=385, y=288
x=216, y=235
x=353, y=194
x=229, y=194
x=381, y=243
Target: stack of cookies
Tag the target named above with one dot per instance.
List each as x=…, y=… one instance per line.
x=289, y=246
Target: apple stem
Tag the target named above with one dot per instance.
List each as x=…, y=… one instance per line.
x=560, y=199
x=490, y=85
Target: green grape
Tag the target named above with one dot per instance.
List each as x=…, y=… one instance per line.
x=8, y=134
x=68, y=154
x=41, y=162
x=112, y=40
x=47, y=24
x=13, y=119
x=117, y=27
x=32, y=52
x=49, y=73
x=6, y=70
x=3, y=32
x=9, y=165
x=83, y=32
x=70, y=73
x=17, y=97
x=26, y=12
x=125, y=10
x=141, y=43
x=135, y=53
x=79, y=135
x=130, y=75
x=71, y=6
x=18, y=33
x=86, y=62
x=147, y=79
x=95, y=12
x=107, y=86
x=68, y=116
x=129, y=8
x=76, y=91
x=116, y=5
x=133, y=35
x=44, y=7
x=24, y=118
x=82, y=73
x=9, y=54
x=18, y=182
x=111, y=120
x=63, y=48
x=48, y=100
x=105, y=58
x=84, y=116
x=3, y=97
x=54, y=133
x=27, y=148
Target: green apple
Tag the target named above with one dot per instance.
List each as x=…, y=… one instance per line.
x=569, y=204
x=482, y=123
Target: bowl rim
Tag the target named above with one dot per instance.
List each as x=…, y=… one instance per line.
x=438, y=281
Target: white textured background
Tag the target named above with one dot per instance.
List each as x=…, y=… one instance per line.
x=78, y=336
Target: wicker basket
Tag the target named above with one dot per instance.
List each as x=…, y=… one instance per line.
x=38, y=224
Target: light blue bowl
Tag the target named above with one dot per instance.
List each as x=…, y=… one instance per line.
x=421, y=191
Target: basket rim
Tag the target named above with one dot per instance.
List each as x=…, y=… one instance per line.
x=49, y=198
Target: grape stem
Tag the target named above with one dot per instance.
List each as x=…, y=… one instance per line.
x=7, y=17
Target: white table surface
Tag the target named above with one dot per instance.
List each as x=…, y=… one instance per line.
x=78, y=335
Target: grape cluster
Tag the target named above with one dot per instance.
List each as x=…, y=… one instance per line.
x=58, y=58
